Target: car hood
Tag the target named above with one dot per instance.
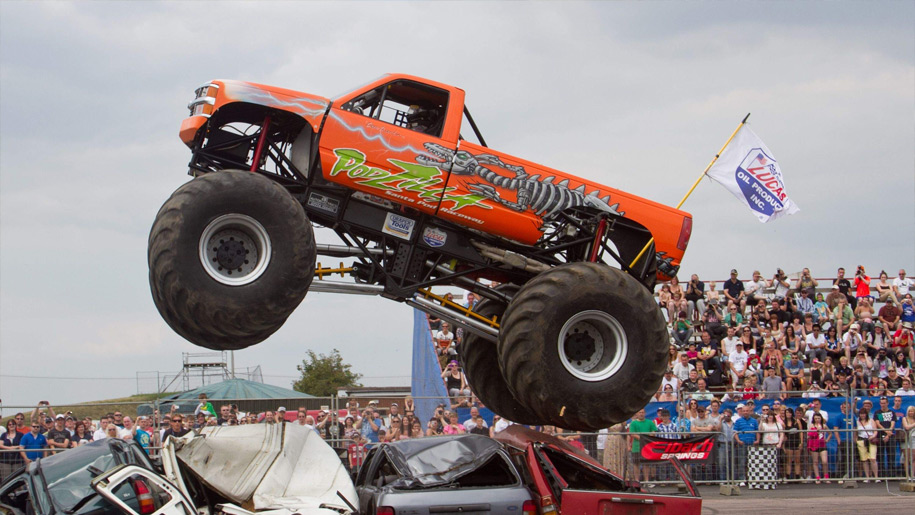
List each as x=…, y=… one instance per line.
x=266, y=466
x=426, y=462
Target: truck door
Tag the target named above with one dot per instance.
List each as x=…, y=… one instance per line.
x=135, y=490
x=378, y=140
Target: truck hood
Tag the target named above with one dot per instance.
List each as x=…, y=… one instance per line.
x=265, y=466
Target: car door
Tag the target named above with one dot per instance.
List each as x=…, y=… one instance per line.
x=137, y=491
x=379, y=140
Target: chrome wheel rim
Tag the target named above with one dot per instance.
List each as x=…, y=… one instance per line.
x=592, y=346
x=235, y=249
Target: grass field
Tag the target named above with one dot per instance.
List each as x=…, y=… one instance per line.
x=95, y=409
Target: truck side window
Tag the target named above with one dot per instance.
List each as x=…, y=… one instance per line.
x=404, y=103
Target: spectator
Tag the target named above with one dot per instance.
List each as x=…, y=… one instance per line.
x=908, y=445
x=664, y=301
x=816, y=409
x=901, y=364
x=225, y=413
x=702, y=393
x=780, y=282
x=666, y=394
x=350, y=432
x=476, y=424
x=692, y=383
x=58, y=436
x=499, y=424
x=9, y=442
x=884, y=288
x=844, y=286
x=734, y=291
x=794, y=372
x=745, y=435
x=804, y=304
x=816, y=345
x=755, y=290
x=793, y=445
x=773, y=387
x=821, y=310
x=792, y=342
x=81, y=435
x=712, y=295
x=852, y=341
x=881, y=365
x=877, y=341
x=176, y=427
x=711, y=322
x=677, y=300
x=333, y=431
x=818, y=435
x=772, y=431
x=683, y=330
x=455, y=381
x=638, y=426
x=904, y=341
x=416, y=429
x=862, y=284
x=886, y=444
x=695, y=297
x=667, y=428
x=907, y=316
x=670, y=380
x=902, y=284
x=33, y=442
x=444, y=339
x=867, y=442
x=204, y=405
x=905, y=389
x=725, y=443
x=369, y=425
x=737, y=361
x=453, y=427
x=672, y=355
x=835, y=347
x=682, y=368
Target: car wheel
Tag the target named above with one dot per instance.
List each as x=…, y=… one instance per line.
x=231, y=255
x=583, y=345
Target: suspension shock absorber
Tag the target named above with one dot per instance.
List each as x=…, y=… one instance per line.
x=262, y=140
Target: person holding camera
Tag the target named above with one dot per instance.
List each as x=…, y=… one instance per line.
x=780, y=282
x=862, y=284
x=695, y=297
x=369, y=425
x=455, y=382
x=806, y=283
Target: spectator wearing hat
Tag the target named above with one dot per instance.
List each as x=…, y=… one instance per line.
x=737, y=362
x=755, y=290
x=58, y=436
x=904, y=340
x=745, y=434
x=734, y=291
x=852, y=340
x=670, y=380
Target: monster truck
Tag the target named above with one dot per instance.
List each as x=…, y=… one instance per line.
x=399, y=171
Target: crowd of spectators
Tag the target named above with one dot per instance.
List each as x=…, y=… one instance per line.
x=764, y=341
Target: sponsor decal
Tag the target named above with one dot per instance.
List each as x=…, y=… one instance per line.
x=414, y=183
x=324, y=203
x=696, y=448
x=434, y=237
x=399, y=226
x=761, y=183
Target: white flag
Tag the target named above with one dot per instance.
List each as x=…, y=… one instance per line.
x=750, y=172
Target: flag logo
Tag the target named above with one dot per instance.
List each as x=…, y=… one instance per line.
x=760, y=181
x=751, y=173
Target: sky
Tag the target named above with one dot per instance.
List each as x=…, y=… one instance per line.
x=635, y=95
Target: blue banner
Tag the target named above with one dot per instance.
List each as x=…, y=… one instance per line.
x=427, y=387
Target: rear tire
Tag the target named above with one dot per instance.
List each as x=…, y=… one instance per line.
x=480, y=360
x=231, y=255
x=583, y=345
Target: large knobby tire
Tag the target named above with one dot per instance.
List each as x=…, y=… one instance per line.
x=231, y=255
x=480, y=360
x=583, y=345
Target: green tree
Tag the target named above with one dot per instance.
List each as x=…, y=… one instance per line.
x=322, y=375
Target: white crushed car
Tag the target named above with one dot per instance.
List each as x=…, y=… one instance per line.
x=267, y=469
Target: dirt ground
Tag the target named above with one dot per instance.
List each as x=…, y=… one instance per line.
x=832, y=499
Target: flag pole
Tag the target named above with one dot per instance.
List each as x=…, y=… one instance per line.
x=695, y=184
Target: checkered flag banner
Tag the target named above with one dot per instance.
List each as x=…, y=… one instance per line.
x=750, y=172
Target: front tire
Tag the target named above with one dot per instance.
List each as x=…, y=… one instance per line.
x=583, y=345
x=480, y=360
x=231, y=255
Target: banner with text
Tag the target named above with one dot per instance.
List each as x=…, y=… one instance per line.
x=694, y=448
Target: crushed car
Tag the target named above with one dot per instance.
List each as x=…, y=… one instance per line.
x=444, y=474
x=566, y=480
x=267, y=469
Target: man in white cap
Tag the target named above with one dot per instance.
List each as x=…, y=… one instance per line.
x=852, y=340
x=738, y=362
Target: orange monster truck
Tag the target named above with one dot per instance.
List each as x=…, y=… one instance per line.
x=400, y=172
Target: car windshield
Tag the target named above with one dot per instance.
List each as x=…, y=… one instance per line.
x=68, y=475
